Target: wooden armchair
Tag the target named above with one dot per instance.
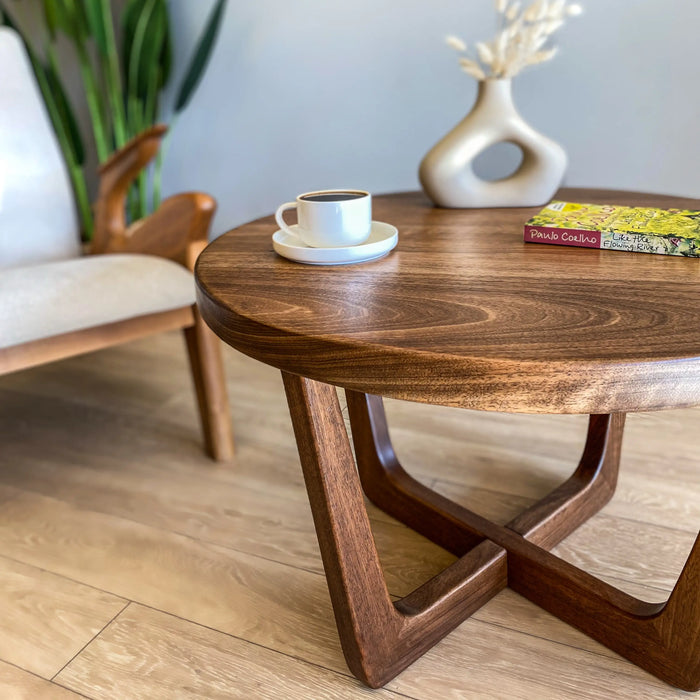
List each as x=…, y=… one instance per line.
x=177, y=231
x=55, y=302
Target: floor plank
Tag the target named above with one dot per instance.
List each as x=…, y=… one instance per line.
x=16, y=684
x=46, y=619
x=236, y=593
x=103, y=484
x=479, y=660
x=270, y=523
x=147, y=654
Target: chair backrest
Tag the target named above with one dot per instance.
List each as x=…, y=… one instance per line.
x=38, y=220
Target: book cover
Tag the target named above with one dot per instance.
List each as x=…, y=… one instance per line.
x=614, y=227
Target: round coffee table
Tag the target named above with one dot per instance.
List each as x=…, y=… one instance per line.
x=464, y=313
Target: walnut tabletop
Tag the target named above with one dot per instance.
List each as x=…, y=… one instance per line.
x=464, y=313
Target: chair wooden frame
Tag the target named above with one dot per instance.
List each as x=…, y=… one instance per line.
x=176, y=231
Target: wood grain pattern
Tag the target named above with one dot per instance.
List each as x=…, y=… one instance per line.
x=208, y=376
x=72, y=615
x=266, y=520
x=662, y=638
x=524, y=457
x=482, y=661
x=455, y=528
x=475, y=336
x=547, y=331
x=147, y=654
x=177, y=230
x=16, y=684
x=76, y=448
x=39, y=352
x=464, y=313
x=150, y=573
x=379, y=640
x=239, y=594
x=546, y=522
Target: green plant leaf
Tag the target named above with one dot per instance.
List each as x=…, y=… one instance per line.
x=166, y=56
x=129, y=20
x=70, y=150
x=146, y=42
x=201, y=56
x=64, y=124
x=113, y=83
x=64, y=110
x=51, y=17
x=80, y=18
x=57, y=103
x=96, y=23
x=68, y=17
x=58, y=17
x=5, y=19
x=136, y=90
x=154, y=38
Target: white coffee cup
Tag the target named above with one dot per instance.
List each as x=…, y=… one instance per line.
x=330, y=218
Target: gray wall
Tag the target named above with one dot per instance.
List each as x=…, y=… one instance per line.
x=305, y=94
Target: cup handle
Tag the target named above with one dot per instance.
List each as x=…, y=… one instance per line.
x=280, y=219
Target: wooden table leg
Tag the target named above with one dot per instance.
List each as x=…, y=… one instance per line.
x=379, y=638
x=663, y=639
x=547, y=523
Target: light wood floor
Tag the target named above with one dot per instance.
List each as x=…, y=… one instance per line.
x=133, y=567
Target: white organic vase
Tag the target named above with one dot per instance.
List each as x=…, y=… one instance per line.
x=446, y=172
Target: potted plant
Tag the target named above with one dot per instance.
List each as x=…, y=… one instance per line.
x=123, y=75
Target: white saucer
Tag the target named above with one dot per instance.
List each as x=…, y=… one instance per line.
x=382, y=238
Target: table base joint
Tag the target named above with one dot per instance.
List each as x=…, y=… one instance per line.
x=380, y=638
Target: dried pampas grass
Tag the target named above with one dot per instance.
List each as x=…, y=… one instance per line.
x=520, y=41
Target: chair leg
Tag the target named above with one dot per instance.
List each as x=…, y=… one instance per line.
x=207, y=372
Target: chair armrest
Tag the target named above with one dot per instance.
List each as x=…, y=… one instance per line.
x=177, y=230
x=116, y=175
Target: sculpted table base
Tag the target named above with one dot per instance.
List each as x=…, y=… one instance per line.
x=380, y=638
x=463, y=313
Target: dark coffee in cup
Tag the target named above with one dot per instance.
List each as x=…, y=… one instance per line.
x=333, y=196
x=329, y=218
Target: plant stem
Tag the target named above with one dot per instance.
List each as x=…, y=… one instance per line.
x=77, y=177
x=113, y=79
x=150, y=111
x=100, y=125
x=135, y=108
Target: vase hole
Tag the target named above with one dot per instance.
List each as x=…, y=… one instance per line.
x=498, y=162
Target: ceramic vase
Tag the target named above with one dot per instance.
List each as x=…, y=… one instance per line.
x=446, y=172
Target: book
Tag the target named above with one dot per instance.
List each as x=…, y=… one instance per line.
x=614, y=227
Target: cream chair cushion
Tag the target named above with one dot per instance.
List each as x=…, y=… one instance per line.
x=40, y=301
